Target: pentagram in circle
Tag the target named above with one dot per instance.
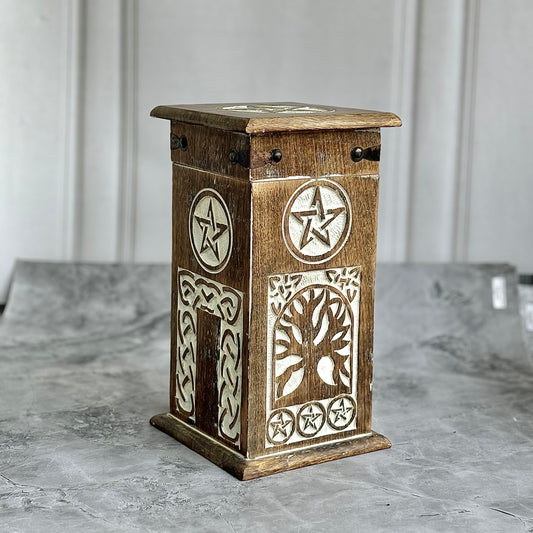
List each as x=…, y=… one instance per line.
x=284, y=109
x=341, y=412
x=311, y=418
x=317, y=221
x=210, y=230
x=280, y=426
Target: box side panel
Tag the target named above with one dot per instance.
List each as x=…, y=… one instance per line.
x=312, y=315
x=209, y=149
x=210, y=266
x=315, y=153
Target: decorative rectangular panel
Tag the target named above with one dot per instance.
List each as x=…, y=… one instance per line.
x=313, y=329
x=197, y=293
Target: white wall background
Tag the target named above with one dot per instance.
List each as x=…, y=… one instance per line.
x=85, y=173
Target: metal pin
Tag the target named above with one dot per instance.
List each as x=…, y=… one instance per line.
x=275, y=155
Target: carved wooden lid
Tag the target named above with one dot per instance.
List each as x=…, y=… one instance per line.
x=277, y=116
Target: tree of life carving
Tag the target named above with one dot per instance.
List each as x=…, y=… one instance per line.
x=312, y=347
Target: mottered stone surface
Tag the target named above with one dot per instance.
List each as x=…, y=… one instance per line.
x=84, y=362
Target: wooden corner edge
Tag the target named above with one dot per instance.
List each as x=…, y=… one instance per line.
x=246, y=469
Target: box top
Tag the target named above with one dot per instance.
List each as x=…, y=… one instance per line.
x=276, y=116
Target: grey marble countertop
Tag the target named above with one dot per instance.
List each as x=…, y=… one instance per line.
x=84, y=362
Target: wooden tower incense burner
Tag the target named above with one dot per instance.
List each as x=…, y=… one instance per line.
x=273, y=262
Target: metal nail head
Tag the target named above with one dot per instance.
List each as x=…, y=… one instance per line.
x=276, y=155
x=357, y=154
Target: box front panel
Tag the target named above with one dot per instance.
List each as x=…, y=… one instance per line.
x=313, y=264
x=210, y=268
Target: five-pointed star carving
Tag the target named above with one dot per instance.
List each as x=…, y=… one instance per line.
x=343, y=412
x=280, y=426
x=316, y=220
x=311, y=419
x=280, y=108
x=212, y=230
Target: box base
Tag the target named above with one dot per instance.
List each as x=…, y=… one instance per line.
x=242, y=468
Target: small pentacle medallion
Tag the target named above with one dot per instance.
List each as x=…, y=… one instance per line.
x=317, y=221
x=210, y=230
x=341, y=412
x=280, y=426
x=311, y=418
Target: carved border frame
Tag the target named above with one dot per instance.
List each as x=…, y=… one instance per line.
x=197, y=292
x=283, y=287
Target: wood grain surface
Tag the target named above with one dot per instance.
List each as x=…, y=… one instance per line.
x=270, y=256
x=273, y=267
x=329, y=117
x=236, y=194
x=308, y=153
x=209, y=148
x=246, y=469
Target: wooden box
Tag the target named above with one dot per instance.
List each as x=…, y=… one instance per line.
x=274, y=250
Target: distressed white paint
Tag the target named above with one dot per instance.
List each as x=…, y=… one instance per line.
x=342, y=412
x=210, y=230
x=317, y=221
x=281, y=292
x=194, y=292
x=85, y=173
x=280, y=109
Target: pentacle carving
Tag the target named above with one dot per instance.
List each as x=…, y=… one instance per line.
x=280, y=426
x=341, y=412
x=312, y=343
x=312, y=350
x=317, y=221
x=198, y=293
x=310, y=419
x=278, y=109
x=210, y=230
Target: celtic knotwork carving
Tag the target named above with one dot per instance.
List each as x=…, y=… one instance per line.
x=196, y=292
x=212, y=297
x=346, y=278
x=230, y=305
x=282, y=288
x=230, y=385
x=186, y=360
